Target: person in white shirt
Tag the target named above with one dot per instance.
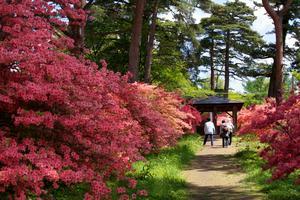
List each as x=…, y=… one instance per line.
x=209, y=131
x=230, y=129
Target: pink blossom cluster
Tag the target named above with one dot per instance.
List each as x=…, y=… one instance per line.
x=279, y=127
x=193, y=118
x=159, y=113
x=62, y=121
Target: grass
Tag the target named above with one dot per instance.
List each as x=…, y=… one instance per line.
x=160, y=174
x=283, y=189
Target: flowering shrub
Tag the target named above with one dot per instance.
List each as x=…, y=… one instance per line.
x=62, y=121
x=158, y=113
x=221, y=117
x=194, y=117
x=279, y=128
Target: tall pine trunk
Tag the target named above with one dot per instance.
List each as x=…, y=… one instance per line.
x=76, y=31
x=272, y=89
x=212, y=67
x=227, y=48
x=134, y=49
x=150, y=43
x=277, y=17
x=279, y=60
x=77, y=34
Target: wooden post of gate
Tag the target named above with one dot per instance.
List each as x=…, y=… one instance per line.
x=234, y=112
x=214, y=119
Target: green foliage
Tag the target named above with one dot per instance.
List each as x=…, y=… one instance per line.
x=250, y=161
x=296, y=75
x=257, y=88
x=205, y=83
x=108, y=35
x=248, y=99
x=170, y=61
x=161, y=173
x=74, y=192
x=174, y=78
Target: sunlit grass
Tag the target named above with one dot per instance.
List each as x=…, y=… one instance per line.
x=161, y=174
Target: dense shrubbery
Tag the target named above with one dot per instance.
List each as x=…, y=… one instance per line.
x=252, y=163
x=64, y=122
x=277, y=126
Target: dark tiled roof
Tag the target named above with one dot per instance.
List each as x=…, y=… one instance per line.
x=214, y=100
x=216, y=104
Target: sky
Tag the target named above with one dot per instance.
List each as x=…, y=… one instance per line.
x=263, y=25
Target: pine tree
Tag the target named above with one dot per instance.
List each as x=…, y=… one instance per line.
x=277, y=17
x=211, y=44
x=233, y=21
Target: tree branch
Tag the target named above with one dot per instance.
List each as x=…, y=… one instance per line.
x=269, y=9
x=286, y=7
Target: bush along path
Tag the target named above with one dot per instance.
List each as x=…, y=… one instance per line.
x=160, y=174
x=63, y=122
x=215, y=174
x=252, y=164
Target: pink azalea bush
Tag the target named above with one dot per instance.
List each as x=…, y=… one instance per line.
x=62, y=121
x=193, y=118
x=279, y=128
x=158, y=112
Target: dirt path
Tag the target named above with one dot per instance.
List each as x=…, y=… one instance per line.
x=215, y=175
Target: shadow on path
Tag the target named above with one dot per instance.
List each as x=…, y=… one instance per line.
x=220, y=193
x=214, y=174
x=215, y=162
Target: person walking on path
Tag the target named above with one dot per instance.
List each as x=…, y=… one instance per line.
x=230, y=130
x=209, y=131
x=224, y=133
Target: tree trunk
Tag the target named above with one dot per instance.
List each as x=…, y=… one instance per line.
x=212, y=67
x=272, y=89
x=77, y=34
x=150, y=43
x=278, y=60
x=292, y=85
x=285, y=28
x=134, y=49
x=217, y=81
x=277, y=17
x=226, y=84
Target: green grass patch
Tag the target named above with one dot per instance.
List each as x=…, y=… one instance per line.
x=252, y=163
x=161, y=173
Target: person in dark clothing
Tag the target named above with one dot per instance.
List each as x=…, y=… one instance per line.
x=230, y=129
x=224, y=133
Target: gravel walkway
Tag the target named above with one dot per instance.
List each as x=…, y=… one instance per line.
x=215, y=175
